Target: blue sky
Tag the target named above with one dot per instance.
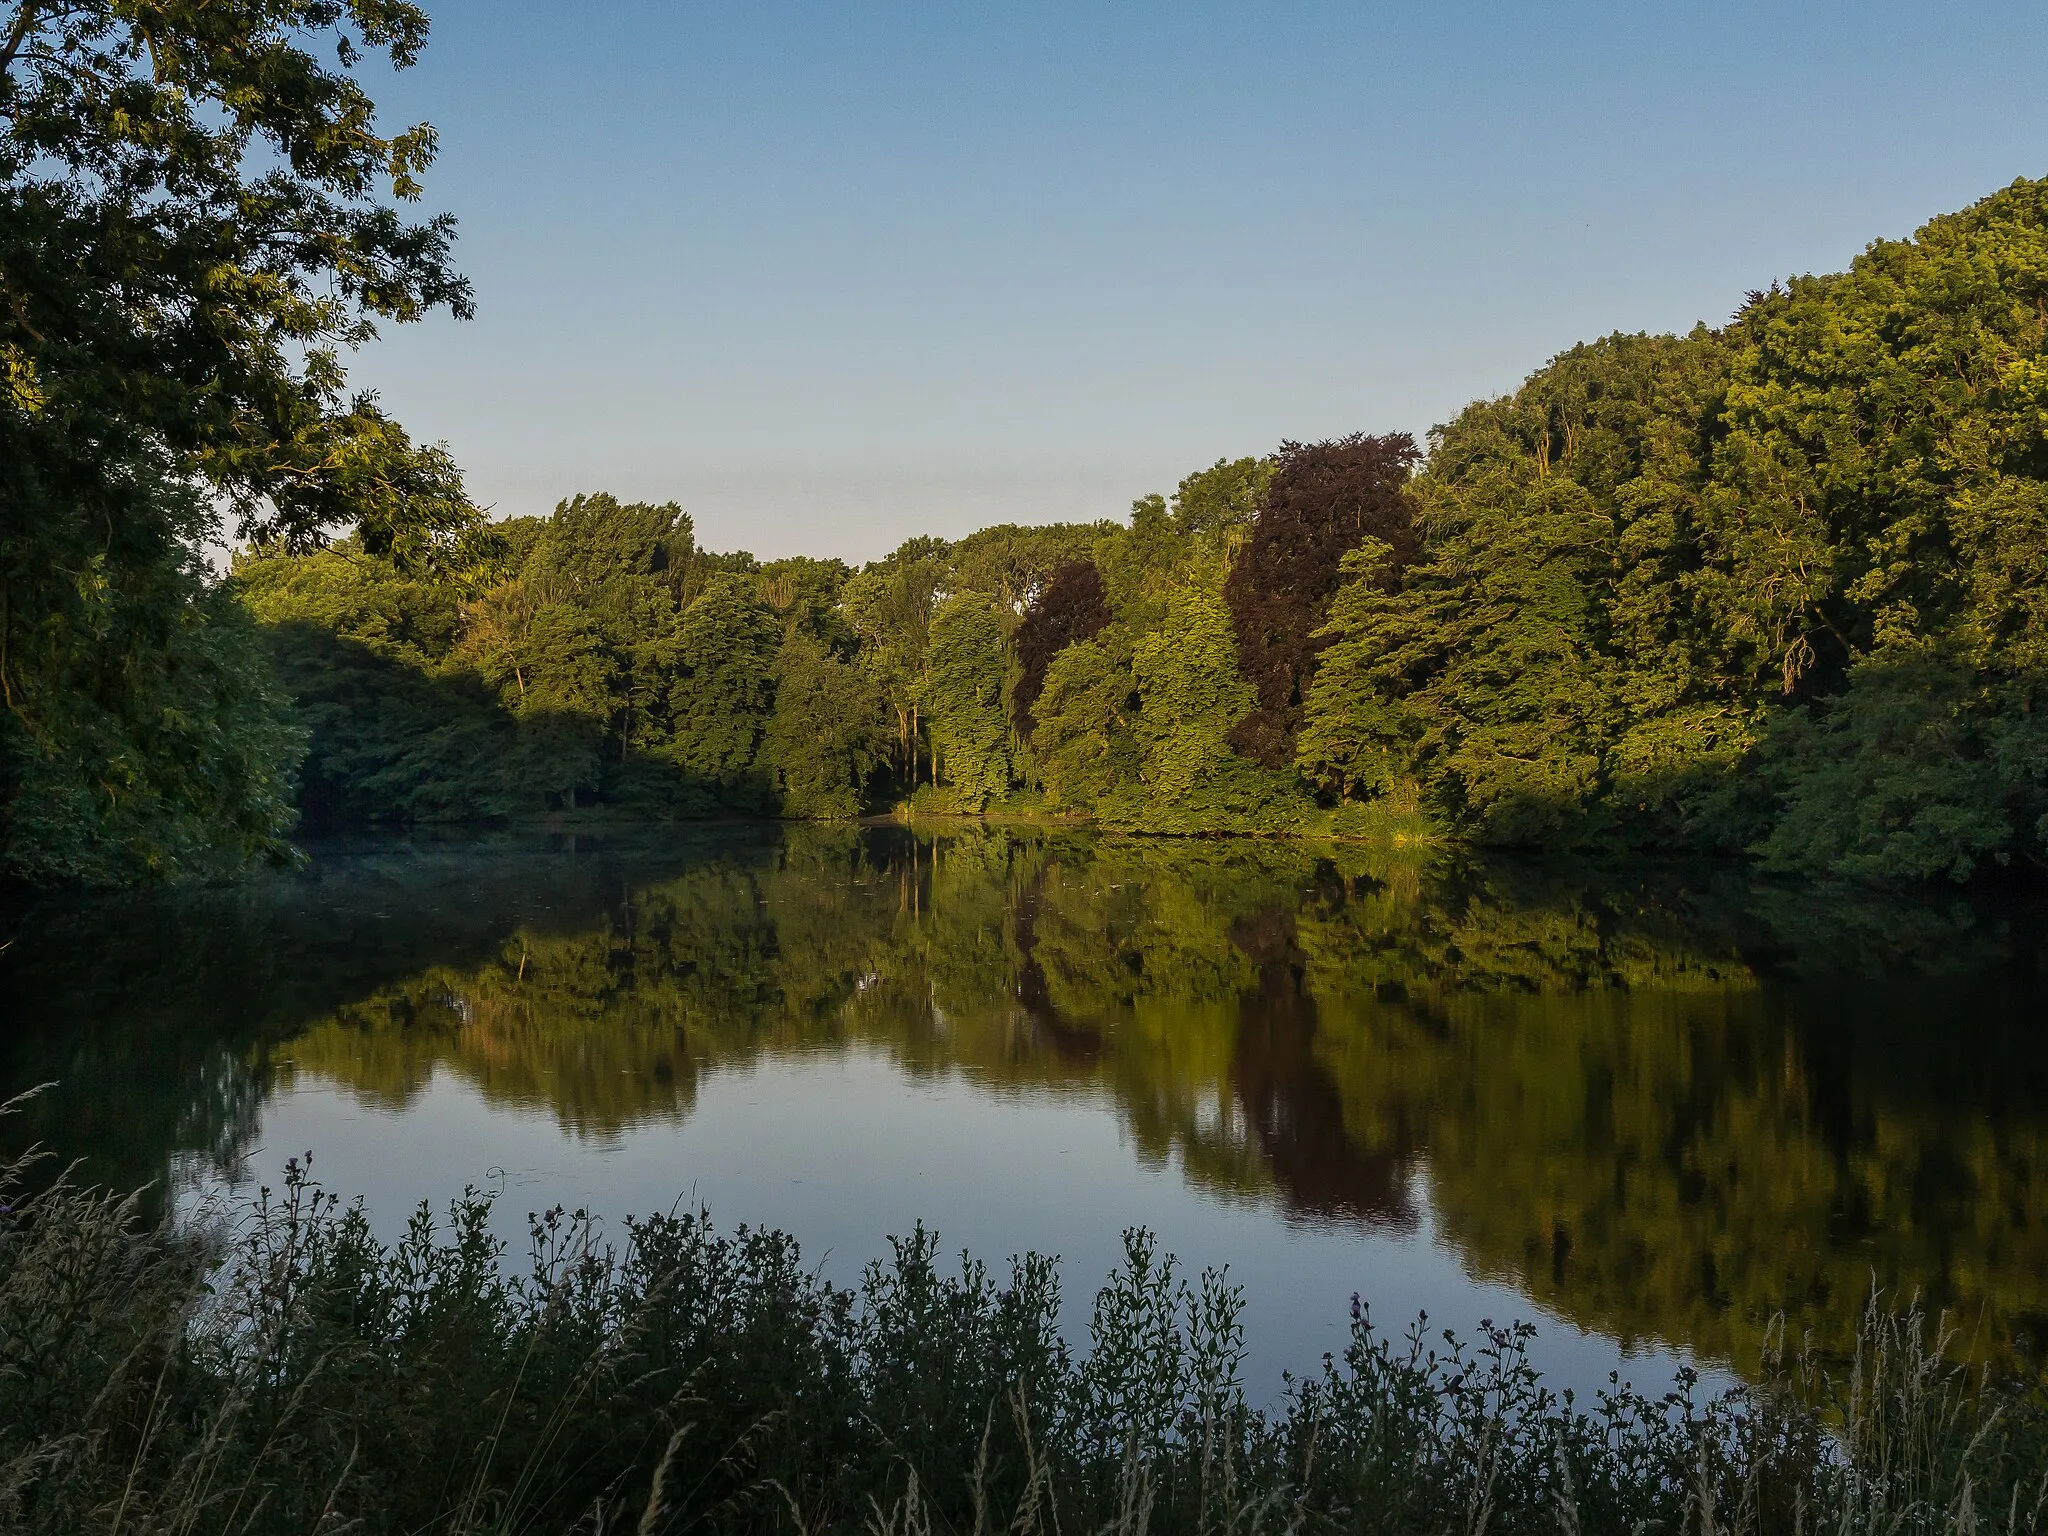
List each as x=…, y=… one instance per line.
x=834, y=274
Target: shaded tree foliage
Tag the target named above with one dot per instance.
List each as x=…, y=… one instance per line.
x=199, y=215
x=722, y=689
x=829, y=733
x=159, y=744
x=611, y=664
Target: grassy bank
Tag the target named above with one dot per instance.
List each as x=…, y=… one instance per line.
x=295, y=1376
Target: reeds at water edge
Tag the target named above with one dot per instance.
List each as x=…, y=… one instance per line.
x=294, y=1375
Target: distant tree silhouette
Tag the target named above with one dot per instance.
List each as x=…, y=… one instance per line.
x=1324, y=498
x=1072, y=606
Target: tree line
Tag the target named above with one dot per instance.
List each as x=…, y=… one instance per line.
x=611, y=663
x=1774, y=587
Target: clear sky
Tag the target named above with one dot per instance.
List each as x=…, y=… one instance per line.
x=834, y=274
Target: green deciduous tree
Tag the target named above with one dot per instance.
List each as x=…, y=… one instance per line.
x=1772, y=586
x=889, y=606
x=963, y=700
x=198, y=217
x=723, y=689
x=201, y=216
x=151, y=740
x=1218, y=507
x=829, y=733
x=1083, y=739
x=1482, y=671
x=1190, y=696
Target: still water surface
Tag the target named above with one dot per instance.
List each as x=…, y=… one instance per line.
x=1645, y=1107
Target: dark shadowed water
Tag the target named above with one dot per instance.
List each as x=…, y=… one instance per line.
x=1646, y=1107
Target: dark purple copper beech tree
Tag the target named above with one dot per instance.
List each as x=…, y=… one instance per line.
x=1325, y=498
x=1072, y=607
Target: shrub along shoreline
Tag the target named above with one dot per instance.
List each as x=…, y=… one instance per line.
x=296, y=1376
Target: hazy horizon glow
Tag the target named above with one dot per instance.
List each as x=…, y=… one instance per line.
x=833, y=276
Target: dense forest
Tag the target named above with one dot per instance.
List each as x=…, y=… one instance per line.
x=1774, y=587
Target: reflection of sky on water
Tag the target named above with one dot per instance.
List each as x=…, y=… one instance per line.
x=843, y=1148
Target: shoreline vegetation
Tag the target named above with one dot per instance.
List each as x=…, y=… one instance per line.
x=1392, y=833
x=290, y=1374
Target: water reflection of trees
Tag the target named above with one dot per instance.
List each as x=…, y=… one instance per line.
x=1664, y=1104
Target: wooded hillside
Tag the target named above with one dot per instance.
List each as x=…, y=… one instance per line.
x=1778, y=587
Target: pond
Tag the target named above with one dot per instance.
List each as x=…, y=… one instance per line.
x=1647, y=1107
